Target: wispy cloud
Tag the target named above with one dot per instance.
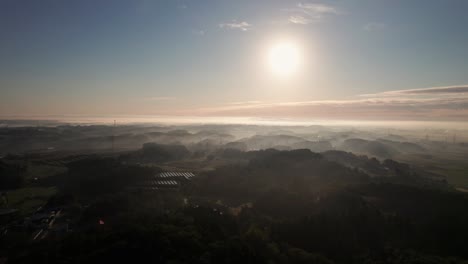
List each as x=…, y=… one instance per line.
x=198, y=32
x=245, y=103
x=299, y=19
x=314, y=8
x=440, y=103
x=306, y=13
x=374, y=26
x=242, y=25
x=442, y=90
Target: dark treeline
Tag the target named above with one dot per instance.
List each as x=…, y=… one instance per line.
x=11, y=175
x=266, y=206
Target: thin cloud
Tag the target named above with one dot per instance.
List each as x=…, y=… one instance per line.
x=313, y=8
x=243, y=25
x=442, y=90
x=306, y=13
x=245, y=103
x=440, y=103
x=299, y=19
x=198, y=32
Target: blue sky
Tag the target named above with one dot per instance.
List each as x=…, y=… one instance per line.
x=142, y=57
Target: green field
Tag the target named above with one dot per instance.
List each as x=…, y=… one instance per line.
x=451, y=165
x=43, y=171
x=28, y=199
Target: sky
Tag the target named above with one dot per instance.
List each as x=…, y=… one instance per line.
x=358, y=59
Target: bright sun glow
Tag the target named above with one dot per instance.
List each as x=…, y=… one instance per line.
x=284, y=59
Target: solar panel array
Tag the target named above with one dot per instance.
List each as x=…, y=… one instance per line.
x=166, y=180
x=166, y=183
x=186, y=175
x=151, y=188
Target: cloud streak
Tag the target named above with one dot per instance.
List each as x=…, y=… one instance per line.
x=442, y=90
x=243, y=25
x=198, y=32
x=300, y=19
x=306, y=13
x=401, y=105
x=245, y=103
x=314, y=9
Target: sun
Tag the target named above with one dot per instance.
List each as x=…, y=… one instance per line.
x=284, y=58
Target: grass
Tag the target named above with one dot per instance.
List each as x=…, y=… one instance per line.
x=456, y=175
x=453, y=167
x=43, y=171
x=28, y=199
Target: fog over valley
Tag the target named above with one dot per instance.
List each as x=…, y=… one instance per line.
x=234, y=131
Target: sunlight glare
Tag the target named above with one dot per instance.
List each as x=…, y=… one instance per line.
x=284, y=59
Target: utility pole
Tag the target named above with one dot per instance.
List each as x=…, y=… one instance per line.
x=113, y=138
